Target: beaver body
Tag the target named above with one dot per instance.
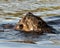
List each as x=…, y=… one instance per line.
x=33, y=24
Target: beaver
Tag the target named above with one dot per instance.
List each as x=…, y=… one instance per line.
x=33, y=24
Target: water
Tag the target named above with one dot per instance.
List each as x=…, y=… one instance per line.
x=12, y=11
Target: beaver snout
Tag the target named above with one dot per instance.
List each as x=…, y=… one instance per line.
x=18, y=27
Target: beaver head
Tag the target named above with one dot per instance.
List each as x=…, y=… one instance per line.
x=32, y=23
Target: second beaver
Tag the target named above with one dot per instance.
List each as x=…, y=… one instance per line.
x=33, y=24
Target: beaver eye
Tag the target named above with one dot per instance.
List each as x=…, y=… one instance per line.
x=39, y=25
x=21, y=26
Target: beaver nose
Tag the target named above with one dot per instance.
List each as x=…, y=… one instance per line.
x=18, y=27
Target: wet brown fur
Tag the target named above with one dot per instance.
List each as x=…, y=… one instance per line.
x=33, y=24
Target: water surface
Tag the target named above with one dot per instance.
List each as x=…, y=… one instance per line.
x=12, y=11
